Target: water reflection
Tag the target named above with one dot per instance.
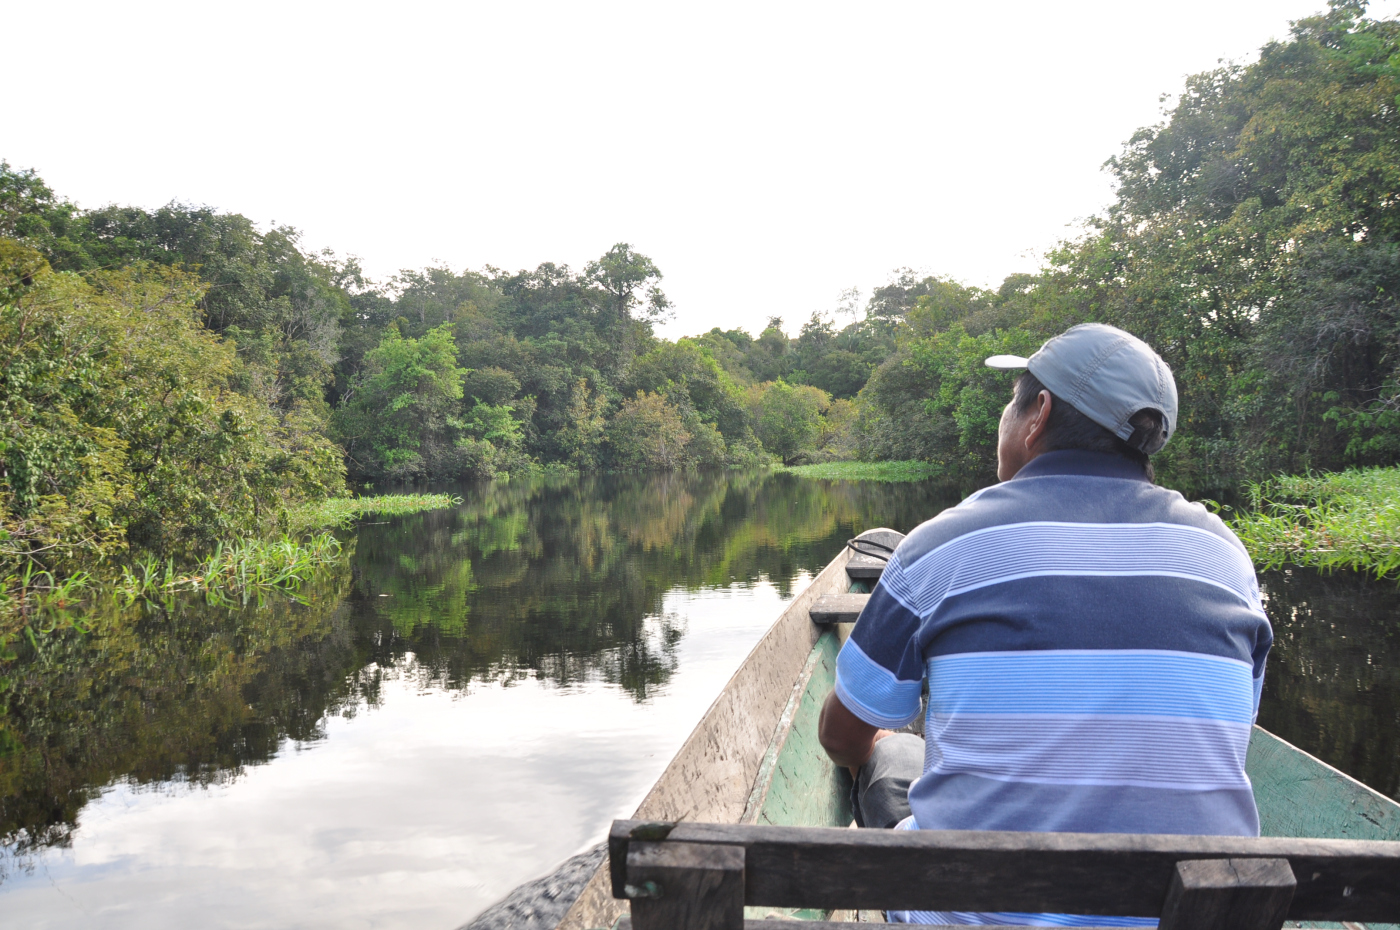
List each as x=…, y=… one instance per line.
x=532, y=656
x=561, y=582
x=564, y=580
x=1333, y=682
x=179, y=691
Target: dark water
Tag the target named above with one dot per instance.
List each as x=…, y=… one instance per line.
x=1332, y=686
x=473, y=697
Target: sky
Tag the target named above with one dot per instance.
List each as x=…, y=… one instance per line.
x=767, y=156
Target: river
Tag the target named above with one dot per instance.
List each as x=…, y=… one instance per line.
x=473, y=696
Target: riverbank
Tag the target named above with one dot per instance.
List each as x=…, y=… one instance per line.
x=282, y=562
x=1348, y=519
x=865, y=471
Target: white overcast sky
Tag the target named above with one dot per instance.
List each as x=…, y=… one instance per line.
x=766, y=155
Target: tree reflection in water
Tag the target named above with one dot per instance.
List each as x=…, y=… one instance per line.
x=560, y=581
x=1333, y=681
x=556, y=580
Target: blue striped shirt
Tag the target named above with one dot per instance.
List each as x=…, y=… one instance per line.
x=1094, y=647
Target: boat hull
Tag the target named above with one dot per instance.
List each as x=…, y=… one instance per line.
x=712, y=777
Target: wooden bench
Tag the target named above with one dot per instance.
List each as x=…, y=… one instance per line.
x=838, y=608
x=697, y=876
x=869, y=566
x=862, y=568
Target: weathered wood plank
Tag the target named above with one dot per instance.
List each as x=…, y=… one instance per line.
x=1111, y=874
x=869, y=567
x=798, y=784
x=1228, y=894
x=686, y=886
x=1300, y=795
x=802, y=786
x=806, y=788
x=865, y=567
x=712, y=775
x=838, y=608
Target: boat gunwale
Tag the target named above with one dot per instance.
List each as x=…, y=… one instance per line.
x=781, y=655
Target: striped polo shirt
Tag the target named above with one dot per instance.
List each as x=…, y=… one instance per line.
x=1094, y=647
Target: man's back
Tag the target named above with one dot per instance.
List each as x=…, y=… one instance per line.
x=1094, y=646
x=1094, y=649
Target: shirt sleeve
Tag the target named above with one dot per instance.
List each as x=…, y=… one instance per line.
x=879, y=672
x=1262, y=646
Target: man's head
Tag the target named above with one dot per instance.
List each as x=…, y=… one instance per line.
x=1094, y=388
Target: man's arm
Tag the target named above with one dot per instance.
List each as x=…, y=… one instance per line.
x=847, y=739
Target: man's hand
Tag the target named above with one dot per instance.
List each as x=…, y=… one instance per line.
x=847, y=739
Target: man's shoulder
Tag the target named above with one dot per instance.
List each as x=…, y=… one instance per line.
x=1066, y=499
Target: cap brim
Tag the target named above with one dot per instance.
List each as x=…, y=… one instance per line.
x=1007, y=361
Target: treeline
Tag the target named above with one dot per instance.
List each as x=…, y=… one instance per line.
x=1254, y=242
x=172, y=377
x=440, y=375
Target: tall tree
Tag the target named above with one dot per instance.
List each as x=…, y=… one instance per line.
x=632, y=282
x=787, y=418
x=399, y=419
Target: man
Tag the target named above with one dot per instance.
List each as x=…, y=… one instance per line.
x=1093, y=645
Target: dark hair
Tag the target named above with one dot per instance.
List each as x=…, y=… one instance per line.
x=1070, y=429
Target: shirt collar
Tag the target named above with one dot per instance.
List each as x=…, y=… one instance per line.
x=1079, y=462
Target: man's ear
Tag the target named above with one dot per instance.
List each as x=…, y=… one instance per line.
x=1040, y=419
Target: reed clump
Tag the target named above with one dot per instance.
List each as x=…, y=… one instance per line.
x=344, y=511
x=1348, y=519
x=233, y=571
x=30, y=594
x=241, y=568
x=911, y=470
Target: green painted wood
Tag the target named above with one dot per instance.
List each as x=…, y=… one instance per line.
x=807, y=790
x=804, y=788
x=1299, y=795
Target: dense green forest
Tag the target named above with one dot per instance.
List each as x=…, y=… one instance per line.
x=177, y=377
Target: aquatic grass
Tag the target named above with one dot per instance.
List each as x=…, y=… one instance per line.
x=283, y=564
x=1348, y=519
x=31, y=587
x=33, y=599
x=344, y=511
x=866, y=471
x=30, y=594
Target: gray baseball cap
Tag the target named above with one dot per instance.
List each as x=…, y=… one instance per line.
x=1104, y=373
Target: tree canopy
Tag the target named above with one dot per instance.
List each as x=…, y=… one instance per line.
x=176, y=375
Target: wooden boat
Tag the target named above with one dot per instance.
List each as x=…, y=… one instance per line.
x=754, y=757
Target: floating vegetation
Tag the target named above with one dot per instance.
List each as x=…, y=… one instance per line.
x=866, y=471
x=343, y=511
x=1348, y=519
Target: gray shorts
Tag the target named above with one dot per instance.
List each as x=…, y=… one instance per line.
x=880, y=796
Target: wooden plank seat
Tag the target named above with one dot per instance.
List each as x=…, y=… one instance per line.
x=869, y=566
x=865, y=567
x=837, y=608
x=697, y=876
